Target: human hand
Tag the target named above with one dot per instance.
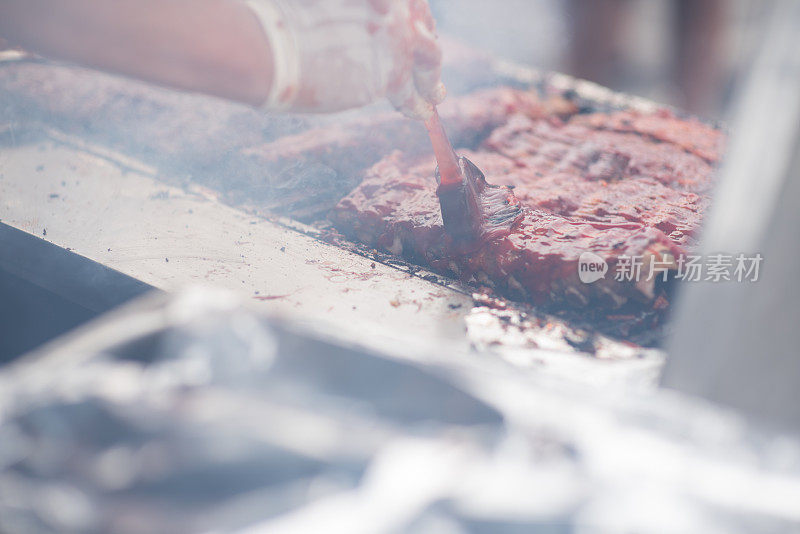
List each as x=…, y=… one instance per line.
x=337, y=54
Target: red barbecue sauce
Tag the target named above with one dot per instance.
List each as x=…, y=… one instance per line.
x=613, y=184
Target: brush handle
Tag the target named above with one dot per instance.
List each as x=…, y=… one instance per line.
x=449, y=171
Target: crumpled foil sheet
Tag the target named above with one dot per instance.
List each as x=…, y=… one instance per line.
x=192, y=414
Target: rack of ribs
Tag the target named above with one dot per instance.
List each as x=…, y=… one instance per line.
x=615, y=184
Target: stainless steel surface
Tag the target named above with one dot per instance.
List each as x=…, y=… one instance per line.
x=168, y=238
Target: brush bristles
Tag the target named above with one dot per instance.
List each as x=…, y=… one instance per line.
x=475, y=211
x=500, y=208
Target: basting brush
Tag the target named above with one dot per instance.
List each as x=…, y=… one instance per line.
x=473, y=210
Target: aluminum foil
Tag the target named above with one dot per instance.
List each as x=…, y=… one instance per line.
x=193, y=414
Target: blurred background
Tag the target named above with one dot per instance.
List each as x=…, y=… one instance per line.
x=687, y=53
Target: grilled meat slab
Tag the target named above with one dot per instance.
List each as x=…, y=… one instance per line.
x=619, y=184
